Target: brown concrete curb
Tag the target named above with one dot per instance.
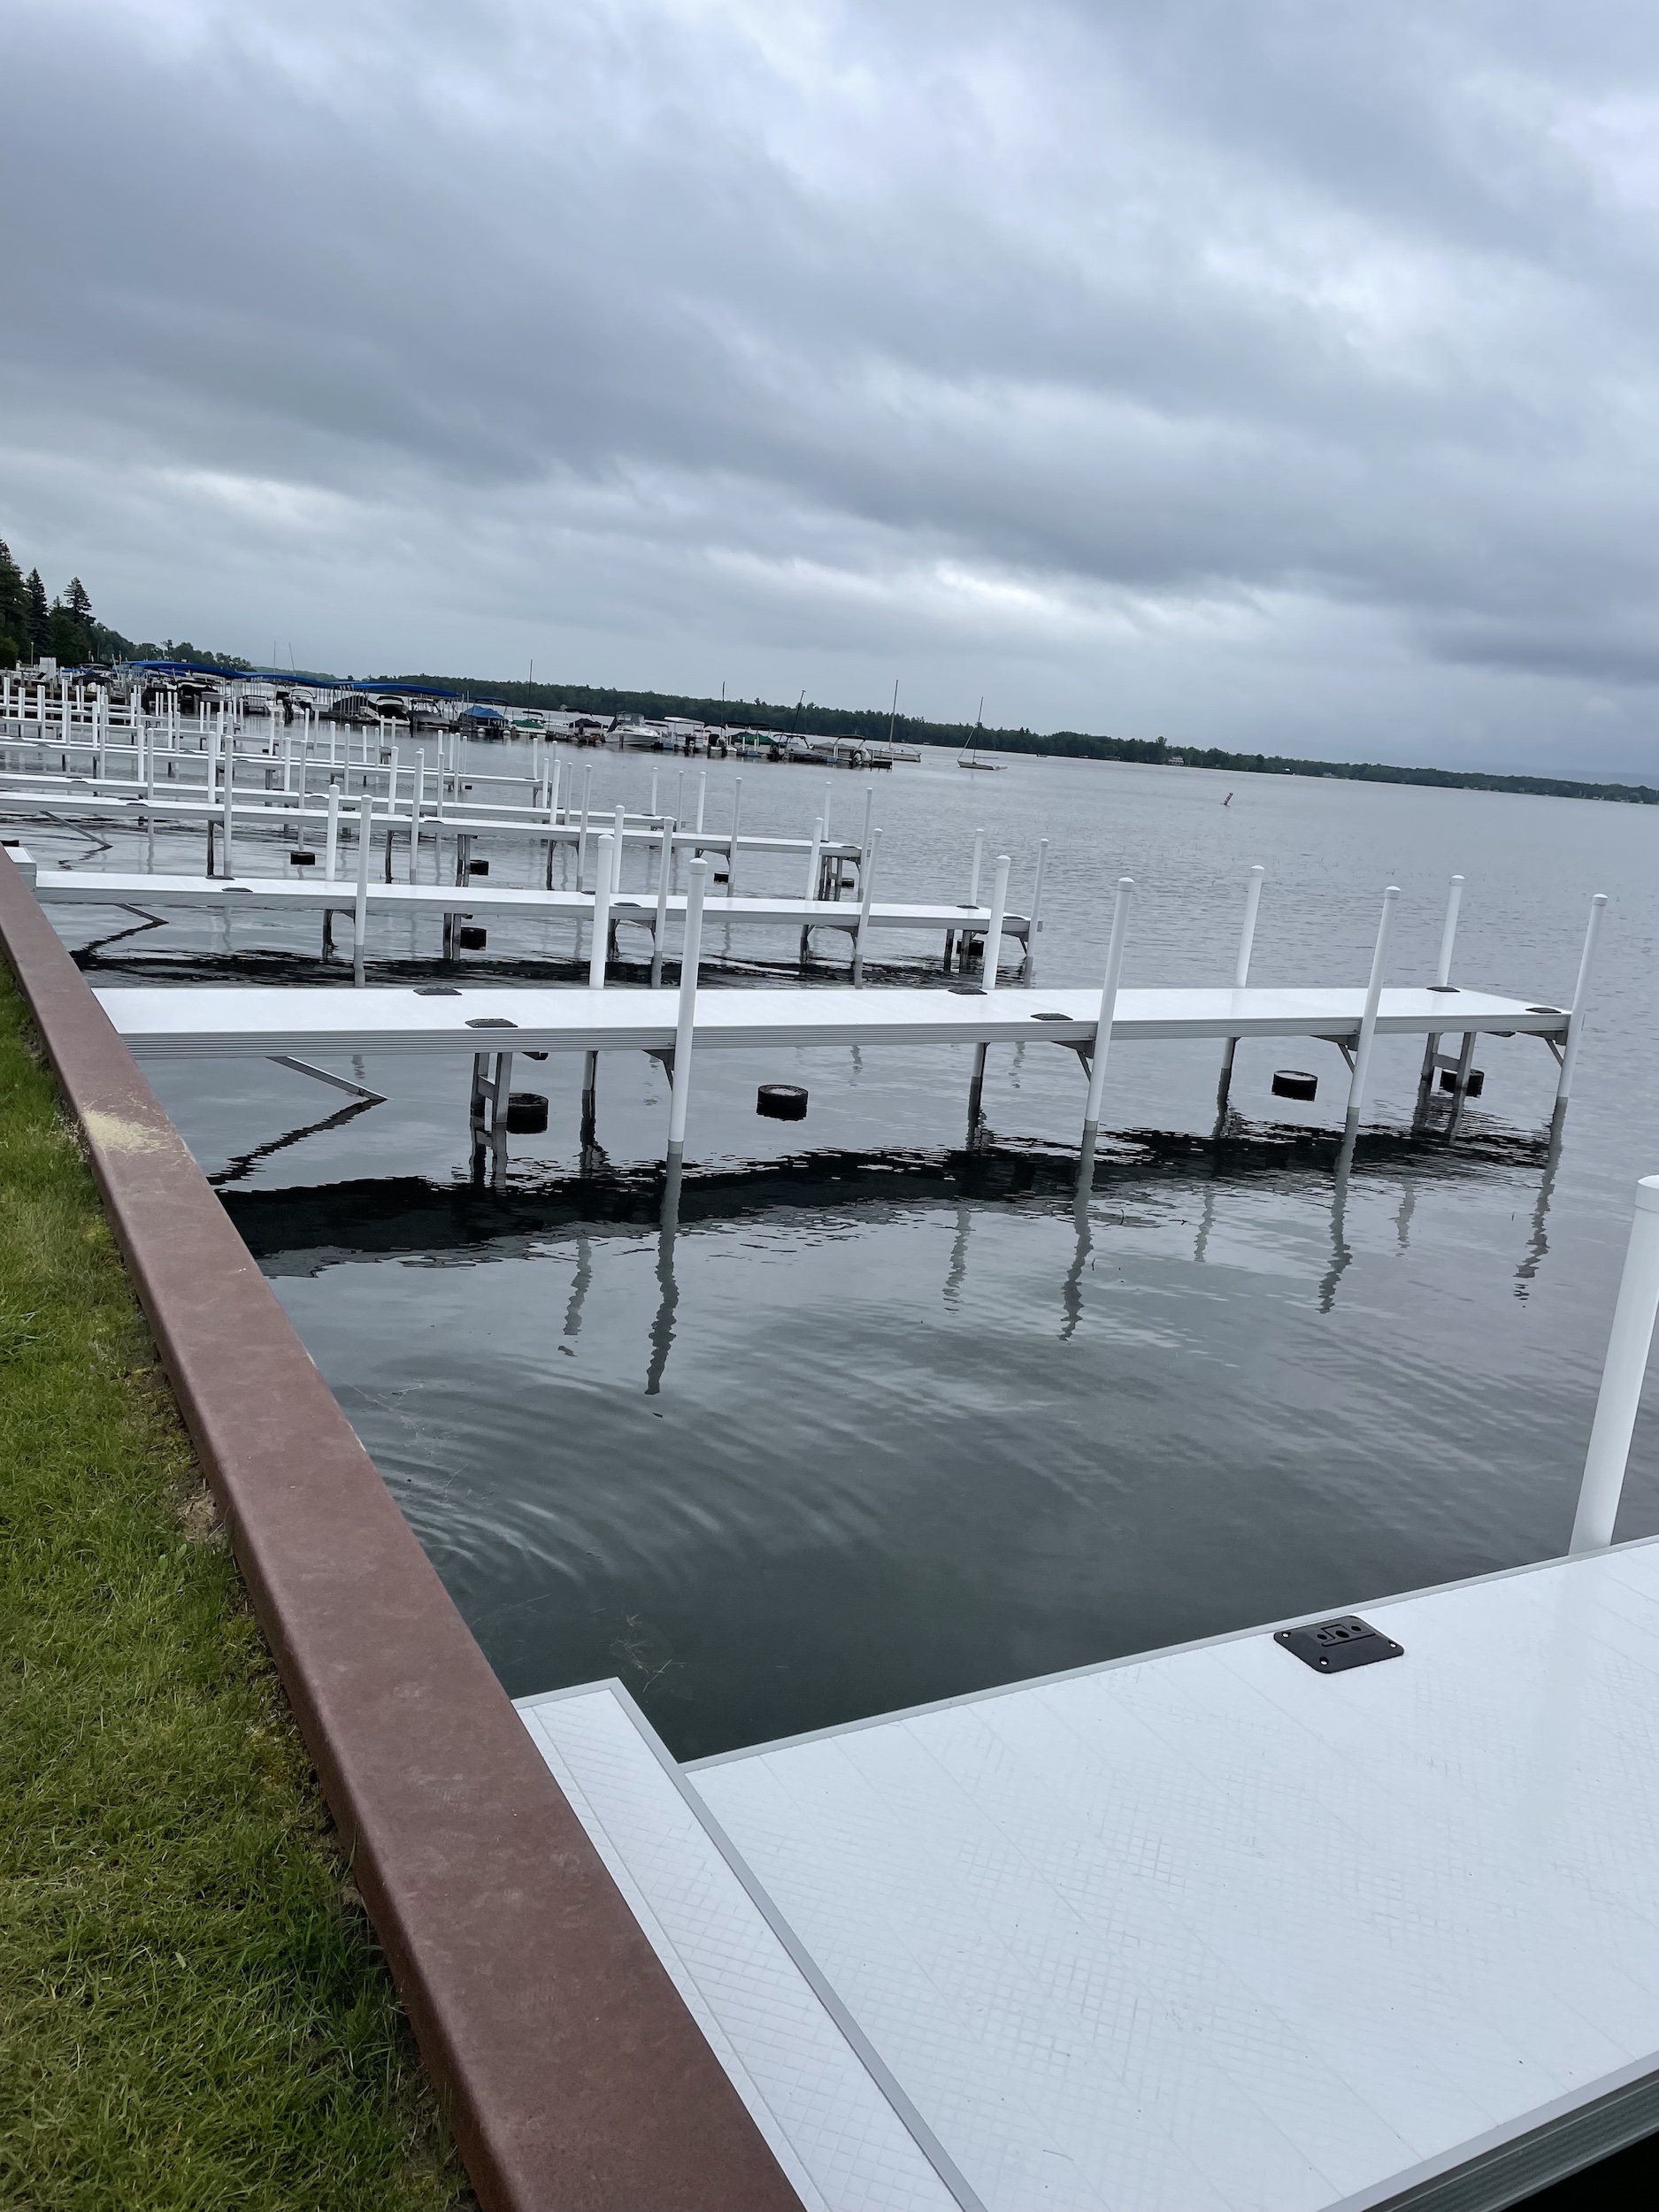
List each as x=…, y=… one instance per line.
x=575, y=2078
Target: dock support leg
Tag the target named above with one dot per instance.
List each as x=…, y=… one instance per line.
x=328, y=933
x=1223, y=1087
x=590, y=1096
x=1460, y=1084
x=1425, y=1081
x=1620, y=1395
x=975, y=1095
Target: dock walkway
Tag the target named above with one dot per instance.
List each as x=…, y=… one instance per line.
x=250, y=1020
x=1205, y=1930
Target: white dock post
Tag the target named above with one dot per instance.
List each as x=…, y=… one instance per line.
x=659, y=931
x=1107, y=1008
x=992, y=946
x=417, y=814
x=331, y=846
x=870, y=801
x=606, y=843
x=581, y=840
x=1033, y=925
x=230, y=782
x=1240, y=977
x=360, y=911
x=1442, y=982
x=1619, y=1399
x=973, y=878
x=815, y=860
x=1368, y=1019
x=690, y=954
x=1581, y=998
x=829, y=793
x=731, y=859
x=702, y=796
x=651, y=810
x=865, y=897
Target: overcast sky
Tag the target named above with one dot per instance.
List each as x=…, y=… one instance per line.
x=1266, y=373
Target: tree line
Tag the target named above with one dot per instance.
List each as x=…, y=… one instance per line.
x=65, y=628
x=34, y=627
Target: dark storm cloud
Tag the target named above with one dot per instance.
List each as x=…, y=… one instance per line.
x=1269, y=368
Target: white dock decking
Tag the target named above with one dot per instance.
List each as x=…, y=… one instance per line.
x=1205, y=1930
x=304, y=893
x=253, y=1020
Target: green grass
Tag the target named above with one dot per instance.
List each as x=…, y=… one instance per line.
x=193, y=2011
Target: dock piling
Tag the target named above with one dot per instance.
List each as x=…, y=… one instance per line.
x=1619, y=1398
x=866, y=894
x=991, y=950
x=1107, y=1008
x=1240, y=977
x=360, y=914
x=1581, y=1001
x=680, y=1099
x=1368, y=1019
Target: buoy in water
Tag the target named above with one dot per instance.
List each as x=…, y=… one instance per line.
x=301, y=860
x=471, y=938
x=780, y=1102
x=478, y=867
x=527, y=1113
x=1295, y=1083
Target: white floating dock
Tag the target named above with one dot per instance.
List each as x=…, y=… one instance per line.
x=1205, y=1930
x=253, y=1020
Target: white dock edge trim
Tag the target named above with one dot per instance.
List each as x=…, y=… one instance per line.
x=949, y=2175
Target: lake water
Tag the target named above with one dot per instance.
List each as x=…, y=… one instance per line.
x=887, y=1420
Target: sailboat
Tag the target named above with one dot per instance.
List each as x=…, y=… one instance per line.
x=970, y=759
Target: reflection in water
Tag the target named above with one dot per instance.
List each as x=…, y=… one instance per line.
x=1537, y=1244
x=958, y=1256
x=245, y=1162
x=1072, y=1291
x=582, y=1284
x=667, y=1287
x=1407, y=1207
x=1342, y=1251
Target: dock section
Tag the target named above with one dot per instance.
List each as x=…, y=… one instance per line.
x=1209, y=1930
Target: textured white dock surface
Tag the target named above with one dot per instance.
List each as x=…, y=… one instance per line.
x=1209, y=1929
x=210, y=1022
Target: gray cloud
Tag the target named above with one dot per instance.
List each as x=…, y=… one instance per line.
x=1271, y=375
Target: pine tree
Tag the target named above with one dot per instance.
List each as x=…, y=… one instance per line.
x=75, y=599
x=14, y=603
x=39, y=617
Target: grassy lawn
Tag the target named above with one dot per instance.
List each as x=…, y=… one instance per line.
x=193, y=2009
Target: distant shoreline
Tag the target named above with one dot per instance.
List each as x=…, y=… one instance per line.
x=873, y=723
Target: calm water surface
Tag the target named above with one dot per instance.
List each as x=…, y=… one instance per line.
x=885, y=1420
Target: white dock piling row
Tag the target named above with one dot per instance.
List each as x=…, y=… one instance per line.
x=1619, y=1399
x=1107, y=1008
x=603, y=888
x=1580, y=1000
x=993, y=945
x=866, y=894
x=1240, y=977
x=685, y=1020
x=1368, y=1020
